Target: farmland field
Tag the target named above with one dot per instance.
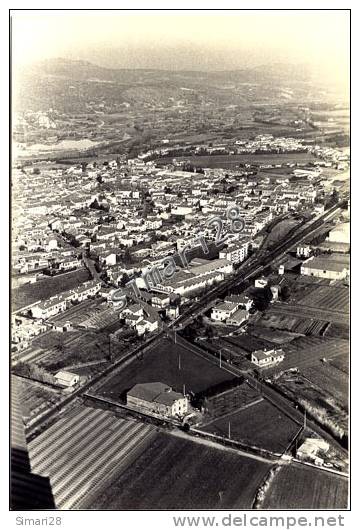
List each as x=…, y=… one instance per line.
x=168, y=363
x=41, y=290
x=329, y=379
x=34, y=398
x=178, y=473
x=305, y=351
x=261, y=425
x=81, y=451
x=298, y=487
x=229, y=161
x=57, y=351
x=328, y=297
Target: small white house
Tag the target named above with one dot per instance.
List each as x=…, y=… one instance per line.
x=261, y=282
x=67, y=379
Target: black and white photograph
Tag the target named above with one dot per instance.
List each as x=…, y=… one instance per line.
x=180, y=262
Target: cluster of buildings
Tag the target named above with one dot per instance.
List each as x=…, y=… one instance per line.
x=125, y=217
x=58, y=303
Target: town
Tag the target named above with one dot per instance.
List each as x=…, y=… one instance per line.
x=180, y=290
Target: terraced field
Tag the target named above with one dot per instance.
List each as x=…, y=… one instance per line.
x=304, y=488
x=81, y=451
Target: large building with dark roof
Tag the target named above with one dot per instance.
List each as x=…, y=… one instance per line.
x=157, y=398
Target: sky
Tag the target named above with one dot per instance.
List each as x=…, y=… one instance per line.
x=198, y=41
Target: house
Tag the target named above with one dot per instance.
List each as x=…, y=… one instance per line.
x=311, y=448
x=303, y=251
x=87, y=289
x=261, y=282
x=223, y=311
x=264, y=358
x=50, y=307
x=243, y=301
x=160, y=300
x=67, y=379
x=157, y=398
x=147, y=324
x=69, y=263
x=240, y=316
x=172, y=311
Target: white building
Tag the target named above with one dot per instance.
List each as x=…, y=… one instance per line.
x=223, y=311
x=263, y=358
x=333, y=267
x=235, y=253
x=67, y=379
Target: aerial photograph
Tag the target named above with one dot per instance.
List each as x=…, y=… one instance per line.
x=180, y=260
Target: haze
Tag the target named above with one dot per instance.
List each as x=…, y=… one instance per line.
x=177, y=41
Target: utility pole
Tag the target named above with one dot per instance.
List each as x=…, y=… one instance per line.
x=175, y=337
x=184, y=389
x=179, y=364
x=305, y=420
x=220, y=359
x=229, y=431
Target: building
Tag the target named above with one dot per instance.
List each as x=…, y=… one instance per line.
x=235, y=253
x=223, y=311
x=242, y=300
x=303, y=251
x=49, y=308
x=264, y=358
x=157, y=398
x=67, y=379
x=240, y=316
x=147, y=324
x=332, y=267
x=261, y=282
x=311, y=448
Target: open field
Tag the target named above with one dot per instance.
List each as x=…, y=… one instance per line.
x=329, y=298
x=169, y=363
x=330, y=379
x=227, y=402
x=261, y=425
x=57, y=351
x=81, y=451
x=305, y=351
x=34, y=398
x=231, y=161
x=177, y=473
x=276, y=336
x=296, y=487
x=292, y=323
x=304, y=311
x=41, y=290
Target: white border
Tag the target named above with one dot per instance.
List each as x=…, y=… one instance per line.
x=163, y=520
